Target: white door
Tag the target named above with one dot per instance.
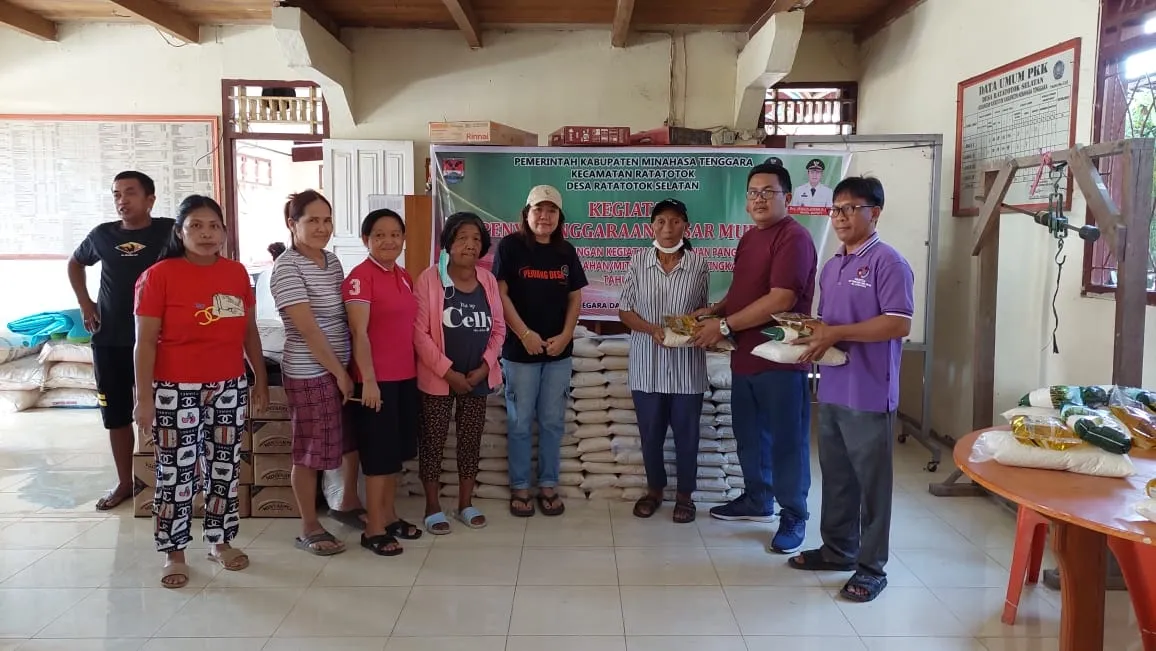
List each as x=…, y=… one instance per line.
x=352, y=171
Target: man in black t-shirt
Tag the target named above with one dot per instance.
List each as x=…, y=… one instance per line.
x=124, y=249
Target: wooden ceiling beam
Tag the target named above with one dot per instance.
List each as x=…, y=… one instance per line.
x=163, y=17
x=894, y=10
x=777, y=7
x=467, y=20
x=620, y=29
x=22, y=20
x=314, y=10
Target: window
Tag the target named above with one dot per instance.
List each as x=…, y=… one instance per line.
x=252, y=170
x=814, y=109
x=1125, y=108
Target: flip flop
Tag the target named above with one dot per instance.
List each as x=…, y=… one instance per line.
x=525, y=502
x=467, y=515
x=437, y=524
x=351, y=518
x=231, y=559
x=309, y=544
x=175, y=570
x=110, y=501
x=551, y=505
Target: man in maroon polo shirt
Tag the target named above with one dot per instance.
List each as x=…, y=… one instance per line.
x=866, y=301
x=771, y=403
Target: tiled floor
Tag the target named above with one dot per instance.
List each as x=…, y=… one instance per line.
x=73, y=579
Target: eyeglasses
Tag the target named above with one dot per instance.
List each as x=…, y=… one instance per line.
x=765, y=193
x=847, y=211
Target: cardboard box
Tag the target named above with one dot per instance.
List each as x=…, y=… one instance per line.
x=272, y=469
x=142, y=502
x=277, y=409
x=590, y=136
x=672, y=136
x=144, y=441
x=480, y=132
x=246, y=468
x=274, y=502
x=144, y=470
x=271, y=437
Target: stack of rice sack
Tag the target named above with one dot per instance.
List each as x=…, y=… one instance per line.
x=589, y=409
x=1082, y=429
x=21, y=374
x=69, y=378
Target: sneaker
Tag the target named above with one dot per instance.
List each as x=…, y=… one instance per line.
x=789, y=538
x=740, y=509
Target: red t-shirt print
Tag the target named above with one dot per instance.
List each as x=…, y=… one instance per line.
x=204, y=318
x=392, y=312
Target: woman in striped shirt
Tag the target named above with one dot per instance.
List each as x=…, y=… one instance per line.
x=667, y=383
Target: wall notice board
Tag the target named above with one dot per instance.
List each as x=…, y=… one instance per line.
x=57, y=171
x=1021, y=109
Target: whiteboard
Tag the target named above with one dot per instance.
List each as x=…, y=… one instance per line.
x=908, y=167
x=1021, y=109
x=57, y=173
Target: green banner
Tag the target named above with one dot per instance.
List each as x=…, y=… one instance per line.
x=608, y=193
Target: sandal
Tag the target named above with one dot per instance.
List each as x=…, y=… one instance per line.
x=437, y=524
x=813, y=560
x=521, y=507
x=179, y=571
x=684, y=512
x=311, y=544
x=380, y=544
x=863, y=587
x=111, y=500
x=403, y=530
x=551, y=505
x=646, y=506
x=231, y=559
x=467, y=516
x=353, y=518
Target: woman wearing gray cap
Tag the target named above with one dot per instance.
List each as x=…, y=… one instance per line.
x=667, y=383
x=540, y=278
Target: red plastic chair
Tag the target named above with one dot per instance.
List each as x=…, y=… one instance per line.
x=1027, y=557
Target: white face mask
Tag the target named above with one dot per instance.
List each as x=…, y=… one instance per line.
x=668, y=250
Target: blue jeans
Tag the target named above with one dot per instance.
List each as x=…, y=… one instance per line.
x=772, y=423
x=538, y=391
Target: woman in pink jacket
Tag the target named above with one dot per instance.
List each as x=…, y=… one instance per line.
x=458, y=335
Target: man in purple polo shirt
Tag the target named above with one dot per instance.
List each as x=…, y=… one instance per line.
x=771, y=403
x=865, y=301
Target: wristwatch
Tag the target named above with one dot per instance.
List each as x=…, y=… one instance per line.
x=724, y=328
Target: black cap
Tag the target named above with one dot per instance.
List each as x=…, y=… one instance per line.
x=669, y=204
x=816, y=164
x=774, y=160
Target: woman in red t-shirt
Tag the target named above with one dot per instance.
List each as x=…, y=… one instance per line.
x=379, y=300
x=195, y=326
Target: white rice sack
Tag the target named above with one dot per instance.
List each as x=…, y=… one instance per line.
x=593, y=431
x=726, y=432
x=734, y=494
x=633, y=494
x=494, y=465
x=631, y=481
x=586, y=348
x=625, y=429
x=449, y=465
x=494, y=441
x=702, y=472
x=591, y=404
x=568, y=439
x=489, y=492
x=1002, y=447
x=14, y=346
x=617, y=377
x=596, y=482
x=70, y=375
x=724, y=419
x=496, y=414
x=707, y=420
x=15, y=401
x=496, y=399
x=493, y=453
x=605, y=456
x=712, y=484
x=413, y=465
x=720, y=396
x=570, y=417
x=59, y=350
x=619, y=391
x=630, y=470
x=709, y=432
x=736, y=482
x=728, y=445
x=1035, y=412
x=67, y=398
x=621, y=403
x=607, y=494
x=633, y=457
x=786, y=353
x=450, y=453
x=723, y=408
x=619, y=346
x=450, y=478
x=570, y=479
x=710, y=497
x=451, y=442
x=711, y=459
x=497, y=429
x=703, y=445
x=493, y=478
x=567, y=428
x=588, y=379
x=592, y=468
x=615, y=363
x=451, y=491
x=623, y=443
x=586, y=364
x=628, y=416
x=718, y=370
x=571, y=492
x=733, y=470
x=592, y=417
x=732, y=458
x=571, y=465
x=582, y=393
x=709, y=408
x=594, y=445
x=24, y=374
x=569, y=452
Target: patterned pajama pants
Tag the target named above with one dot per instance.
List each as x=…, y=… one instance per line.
x=197, y=432
x=471, y=420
